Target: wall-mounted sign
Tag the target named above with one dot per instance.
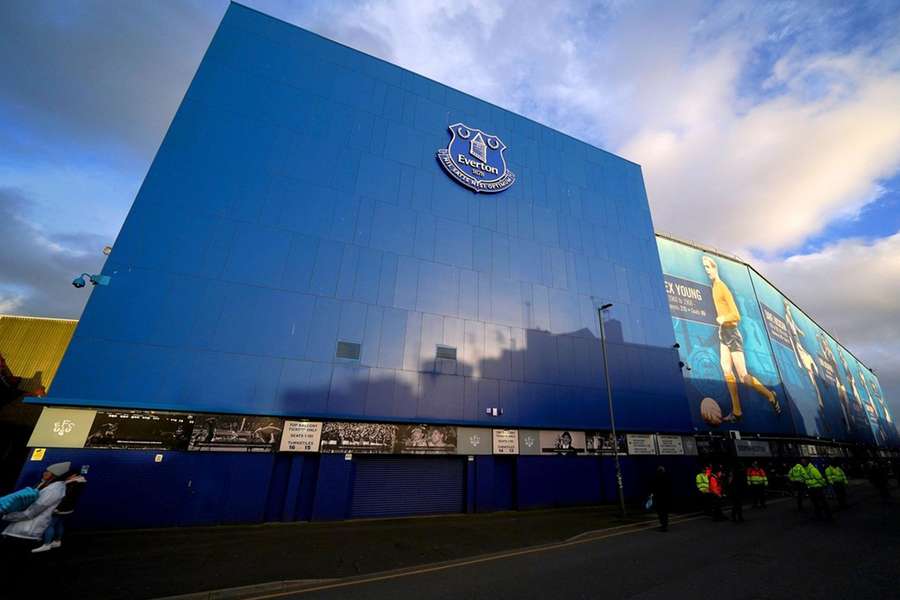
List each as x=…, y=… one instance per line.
x=62, y=428
x=475, y=159
x=360, y=438
x=301, y=436
x=670, y=444
x=640, y=443
x=601, y=442
x=690, y=445
x=506, y=441
x=562, y=442
x=236, y=433
x=746, y=448
x=426, y=439
x=529, y=441
x=473, y=441
x=136, y=429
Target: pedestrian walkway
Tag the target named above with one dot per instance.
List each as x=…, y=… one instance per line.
x=140, y=564
x=162, y=562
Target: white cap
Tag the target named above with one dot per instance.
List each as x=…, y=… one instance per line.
x=59, y=469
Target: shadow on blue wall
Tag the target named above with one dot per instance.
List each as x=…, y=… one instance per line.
x=646, y=383
x=129, y=489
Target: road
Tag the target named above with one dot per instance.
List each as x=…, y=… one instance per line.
x=776, y=553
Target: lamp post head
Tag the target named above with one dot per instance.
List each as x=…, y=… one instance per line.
x=605, y=306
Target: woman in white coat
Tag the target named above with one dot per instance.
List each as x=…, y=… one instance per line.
x=30, y=523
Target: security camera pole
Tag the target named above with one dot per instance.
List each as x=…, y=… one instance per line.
x=80, y=281
x=612, y=413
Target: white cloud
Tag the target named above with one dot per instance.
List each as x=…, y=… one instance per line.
x=770, y=177
x=9, y=302
x=851, y=289
x=37, y=270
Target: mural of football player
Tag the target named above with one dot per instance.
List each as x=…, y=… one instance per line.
x=829, y=362
x=804, y=359
x=874, y=394
x=854, y=389
x=731, y=345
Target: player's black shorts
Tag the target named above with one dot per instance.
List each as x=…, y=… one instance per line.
x=731, y=338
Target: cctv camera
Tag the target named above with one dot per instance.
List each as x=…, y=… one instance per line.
x=78, y=282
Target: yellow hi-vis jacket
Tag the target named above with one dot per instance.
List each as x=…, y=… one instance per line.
x=835, y=475
x=703, y=482
x=814, y=477
x=797, y=474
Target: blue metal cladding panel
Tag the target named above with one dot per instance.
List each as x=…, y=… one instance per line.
x=546, y=481
x=333, y=488
x=388, y=486
x=296, y=201
x=186, y=488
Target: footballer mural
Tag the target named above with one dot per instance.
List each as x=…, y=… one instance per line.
x=833, y=394
x=730, y=373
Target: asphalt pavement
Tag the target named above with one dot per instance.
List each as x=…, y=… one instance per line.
x=152, y=563
x=775, y=553
x=569, y=553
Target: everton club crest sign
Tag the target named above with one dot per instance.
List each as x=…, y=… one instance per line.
x=475, y=159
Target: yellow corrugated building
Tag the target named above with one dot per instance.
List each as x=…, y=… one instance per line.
x=33, y=347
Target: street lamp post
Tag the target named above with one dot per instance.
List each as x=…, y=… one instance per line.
x=612, y=412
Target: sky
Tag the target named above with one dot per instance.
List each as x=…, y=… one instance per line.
x=770, y=130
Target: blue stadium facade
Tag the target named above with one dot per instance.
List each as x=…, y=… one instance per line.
x=297, y=207
x=296, y=201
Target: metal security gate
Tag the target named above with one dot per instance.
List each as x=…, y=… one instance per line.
x=392, y=486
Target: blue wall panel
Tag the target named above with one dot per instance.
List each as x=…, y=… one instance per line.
x=296, y=201
x=549, y=481
x=334, y=488
x=186, y=488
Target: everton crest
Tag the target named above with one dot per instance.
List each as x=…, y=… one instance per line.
x=475, y=159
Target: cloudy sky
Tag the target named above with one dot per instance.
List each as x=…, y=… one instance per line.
x=770, y=130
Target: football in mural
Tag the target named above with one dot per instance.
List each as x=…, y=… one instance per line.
x=711, y=412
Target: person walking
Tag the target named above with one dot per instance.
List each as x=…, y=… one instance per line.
x=815, y=487
x=52, y=538
x=737, y=486
x=29, y=524
x=758, y=482
x=797, y=477
x=837, y=479
x=662, y=496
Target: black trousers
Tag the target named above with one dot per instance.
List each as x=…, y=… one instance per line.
x=840, y=490
x=758, y=493
x=706, y=503
x=716, y=502
x=820, y=504
x=737, y=508
x=662, y=512
x=800, y=491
